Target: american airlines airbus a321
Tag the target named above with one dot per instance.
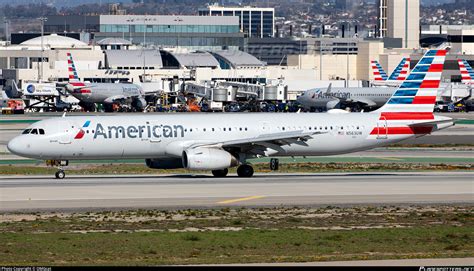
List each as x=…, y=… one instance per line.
x=217, y=141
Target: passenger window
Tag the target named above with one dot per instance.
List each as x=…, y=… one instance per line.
x=41, y=131
x=27, y=131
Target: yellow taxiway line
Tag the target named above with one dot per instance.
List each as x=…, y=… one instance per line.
x=240, y=199
x=391, y=158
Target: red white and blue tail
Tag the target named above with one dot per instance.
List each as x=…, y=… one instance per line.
x=467, y=74
x=73, y=77
x=401, y=71
x=418, y=92
x=378, y=71
x=75, y=85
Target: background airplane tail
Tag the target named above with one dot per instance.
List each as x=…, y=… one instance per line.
x=417, y=94
x=73, y=77
x=379, y=73
x=467, y=74
x=401, y=71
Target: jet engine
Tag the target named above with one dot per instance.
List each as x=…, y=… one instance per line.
x=208, y=159
x=139, y=103
x=165, y=163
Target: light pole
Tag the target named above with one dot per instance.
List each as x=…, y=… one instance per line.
x=321, y=59
x=7, y=23
x=42, y=20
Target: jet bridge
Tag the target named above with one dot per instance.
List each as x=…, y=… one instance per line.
x=225, y=91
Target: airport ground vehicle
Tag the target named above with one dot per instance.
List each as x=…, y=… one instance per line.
x=441, y=106
x=13, y=106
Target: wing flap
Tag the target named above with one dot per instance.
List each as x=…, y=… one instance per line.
x=276, y=139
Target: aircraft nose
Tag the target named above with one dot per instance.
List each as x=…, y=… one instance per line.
x=16, y=146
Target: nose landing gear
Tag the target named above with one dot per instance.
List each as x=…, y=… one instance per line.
x=59, y=164
x=60, y=174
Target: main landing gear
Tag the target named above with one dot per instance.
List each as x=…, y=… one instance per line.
x=60, y=174
x=245, y=171
x=220, y=172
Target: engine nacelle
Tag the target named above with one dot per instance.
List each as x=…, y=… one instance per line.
x=208, y=159
x=165, y=163
x=139, y=103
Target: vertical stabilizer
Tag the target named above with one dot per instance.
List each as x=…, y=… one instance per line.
x=418, y=91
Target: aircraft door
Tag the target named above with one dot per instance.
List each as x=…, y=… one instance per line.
x=155, y=142
x=65, y=132
x=382, y=128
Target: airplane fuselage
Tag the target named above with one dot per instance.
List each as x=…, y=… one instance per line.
x=319, y=98
x=104, y=92
x=167, y=135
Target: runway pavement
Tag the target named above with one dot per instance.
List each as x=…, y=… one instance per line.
x=77, y=193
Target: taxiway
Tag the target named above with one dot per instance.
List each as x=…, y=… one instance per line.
x=77, y=193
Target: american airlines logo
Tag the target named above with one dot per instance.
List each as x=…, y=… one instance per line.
x=138, y=131
x=323, y=95
x=81, y=132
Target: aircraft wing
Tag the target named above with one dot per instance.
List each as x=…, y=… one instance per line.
x=260, y=145
x=367, y=102
x=152, y=92
x=115, y=98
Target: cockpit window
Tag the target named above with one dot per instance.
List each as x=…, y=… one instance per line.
x=33, y=131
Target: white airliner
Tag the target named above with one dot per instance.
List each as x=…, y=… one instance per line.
x=319, y=99
x=105, y=93
x=218, y=141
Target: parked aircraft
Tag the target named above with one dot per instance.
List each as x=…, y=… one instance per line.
x=103, y=93
x=320, y=99
x=218, y=141
x=358, y=98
